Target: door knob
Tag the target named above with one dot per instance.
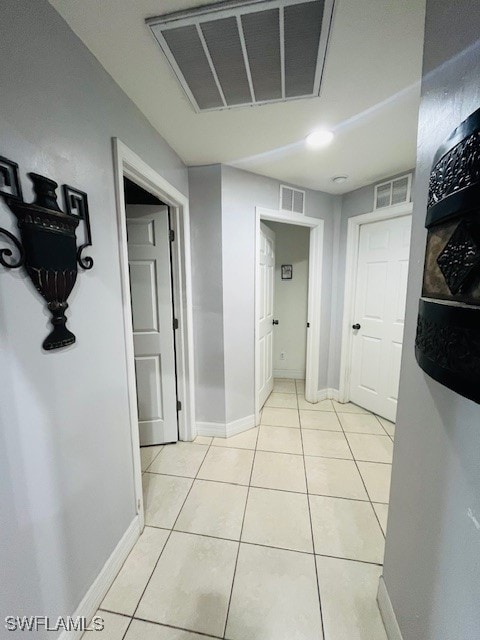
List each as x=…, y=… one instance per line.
x=274, y=321
x=356, y=326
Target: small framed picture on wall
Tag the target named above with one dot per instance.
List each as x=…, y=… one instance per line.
x=287, y=271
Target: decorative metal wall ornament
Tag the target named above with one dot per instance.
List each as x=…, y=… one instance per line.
x=447, y=345
x=48, y=246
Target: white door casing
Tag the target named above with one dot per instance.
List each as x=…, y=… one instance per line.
x=379, y=309
x=266, y=276
x=152, y=318
x=315, y=270
x=128, y=164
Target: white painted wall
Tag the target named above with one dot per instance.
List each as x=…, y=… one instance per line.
x=224, y=294
x=66, y=477
x=433, y=538
x=241, y=193
x=207, y=284
x=291, y=296
x=224, y=291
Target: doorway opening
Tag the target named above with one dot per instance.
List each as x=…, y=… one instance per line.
x=298, y=302
x=149, y=238
x=176, y=261
x=285, y=294
x=378, y=249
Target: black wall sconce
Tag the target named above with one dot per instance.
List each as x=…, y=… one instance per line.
x=48, y=246
x=447, y=344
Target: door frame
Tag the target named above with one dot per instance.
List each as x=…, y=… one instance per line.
x=353, y=238
x=315, y=268
x=128, y=164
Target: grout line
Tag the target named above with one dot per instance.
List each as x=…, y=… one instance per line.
x=171, y=475
x=116, y=613
x=269, y=546
x=311, y=528
x=169, y=535
x=240, y=537
x=324, y=555
x=171, y=626
x=363, y=482
x=154, y=458
x=128, y=627
x=378, y=420
x=249, y=486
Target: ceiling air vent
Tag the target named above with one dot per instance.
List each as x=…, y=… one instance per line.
x=234, y=54
x=292, y=199
x=393, y=192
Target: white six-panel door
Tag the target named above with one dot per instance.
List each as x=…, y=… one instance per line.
x=151, y=293
x=266, y=275
x=379, y=309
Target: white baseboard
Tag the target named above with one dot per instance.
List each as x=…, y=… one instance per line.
x=238, y=426
x=297, y=374
x=388, y=614
x=225, y=430
x=212, y=429
x=327, y=394
x=95, y=595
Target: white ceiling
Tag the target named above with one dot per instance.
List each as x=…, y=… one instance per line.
x=369, y=95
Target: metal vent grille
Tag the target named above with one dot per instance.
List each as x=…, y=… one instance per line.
x=394, y=192
x=244, y=53
x=292, y=199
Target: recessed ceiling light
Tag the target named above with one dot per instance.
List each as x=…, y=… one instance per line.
x=339, y=179
x=319, y=138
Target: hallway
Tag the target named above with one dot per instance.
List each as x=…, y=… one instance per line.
x=269, y=535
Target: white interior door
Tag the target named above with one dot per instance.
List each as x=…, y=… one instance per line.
x=152, y=311
x=379, y=310
x=266, y=282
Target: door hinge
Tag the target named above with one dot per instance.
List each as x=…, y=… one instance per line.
x=171, y=235
x=179, y=405
x=175, y=323
x=308, y=325
x=139, y=505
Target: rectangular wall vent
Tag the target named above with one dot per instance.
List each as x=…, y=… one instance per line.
x=388, y=194
x=292, y=199
x=237, y=53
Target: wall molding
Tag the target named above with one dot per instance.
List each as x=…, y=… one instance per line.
x=239, y=426
x=211, y=429
x=128, y=164
x=97, y=592
x=226, y=429
x=296, y=374
x=327, y=394
x=315, y=265
x=387, y=612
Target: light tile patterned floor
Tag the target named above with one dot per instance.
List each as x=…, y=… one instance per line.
x=274, y=534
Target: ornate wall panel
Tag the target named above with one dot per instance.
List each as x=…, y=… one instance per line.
x=447, y=344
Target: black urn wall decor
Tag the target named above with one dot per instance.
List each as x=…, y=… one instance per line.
x=48, y=246
x=447, y=344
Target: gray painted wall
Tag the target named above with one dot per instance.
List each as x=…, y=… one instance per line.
x=241, y=193
x=433, y=538
x=224, y=293
x=207, y=283
x=65, y=457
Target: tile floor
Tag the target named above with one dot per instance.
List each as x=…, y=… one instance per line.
x=273, y=534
